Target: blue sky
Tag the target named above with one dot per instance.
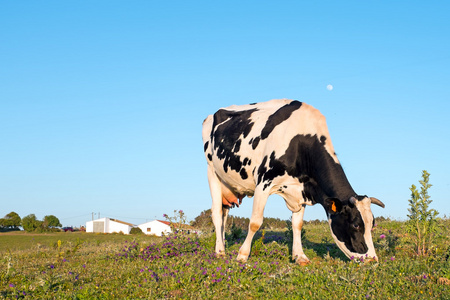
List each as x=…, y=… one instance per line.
x=102, y=102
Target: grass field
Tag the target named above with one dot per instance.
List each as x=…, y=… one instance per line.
x=98, y=266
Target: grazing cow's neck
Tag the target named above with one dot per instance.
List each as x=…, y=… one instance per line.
x=332, y=181
x=316, y=169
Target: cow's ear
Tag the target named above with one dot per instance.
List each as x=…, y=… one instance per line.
x=333, y=205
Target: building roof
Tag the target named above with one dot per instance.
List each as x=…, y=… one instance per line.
x=121, y=222
x=176, y=225
x=164, y=222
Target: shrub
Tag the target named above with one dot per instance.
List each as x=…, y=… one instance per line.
x=136, y=230
x=235, y=235
x=422, y=223
x=177, y=221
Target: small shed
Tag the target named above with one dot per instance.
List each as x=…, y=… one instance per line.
x=108, y=225
x=156, y=227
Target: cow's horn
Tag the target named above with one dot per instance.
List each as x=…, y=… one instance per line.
x=352, y=200
x=377, y=202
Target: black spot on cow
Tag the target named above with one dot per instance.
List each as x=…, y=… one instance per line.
x=237, y=146
x=243, y=174
x=323, y=139
x=245, y=162
x=262, y=169
x=303, y=178
x=205, y=146
x=255, y=142
x=276, y=168
x=228, y=127
x=278, y=117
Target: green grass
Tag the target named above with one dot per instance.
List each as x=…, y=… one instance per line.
x=20, y=240
x=94, y=266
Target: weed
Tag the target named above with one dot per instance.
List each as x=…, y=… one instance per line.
x=422, y=222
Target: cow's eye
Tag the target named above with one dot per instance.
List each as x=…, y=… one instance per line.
x=356, y=226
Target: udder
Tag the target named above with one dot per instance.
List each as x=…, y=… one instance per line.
x=230, y=199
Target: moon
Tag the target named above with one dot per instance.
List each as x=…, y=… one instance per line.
x=329, y=87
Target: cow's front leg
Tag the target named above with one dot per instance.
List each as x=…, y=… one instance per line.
x=259, y=202
x=297, y=249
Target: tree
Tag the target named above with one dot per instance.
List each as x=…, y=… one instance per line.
x=203, y=221
x=30, y=223
x=51, y=221
x=422, y=223
x=11, y=220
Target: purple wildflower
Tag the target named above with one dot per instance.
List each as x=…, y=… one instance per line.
x=382, y=236
x=12, y=285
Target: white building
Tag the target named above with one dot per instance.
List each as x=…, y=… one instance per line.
x=107, y=225
x=156, y=227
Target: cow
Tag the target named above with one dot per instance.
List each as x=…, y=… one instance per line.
x=282, y=147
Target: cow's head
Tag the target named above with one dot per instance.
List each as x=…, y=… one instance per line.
x=351, y=223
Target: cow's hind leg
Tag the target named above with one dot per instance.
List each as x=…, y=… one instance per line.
x=217, y=212
x=259, y=202
x=225, y=211
x=297, y=249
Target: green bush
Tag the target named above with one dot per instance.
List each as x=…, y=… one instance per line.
x=422, y=223
x=235, y=235
x=136, y=230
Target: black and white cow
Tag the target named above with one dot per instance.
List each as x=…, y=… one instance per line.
x=282, y=147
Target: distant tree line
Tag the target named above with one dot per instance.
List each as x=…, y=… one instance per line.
x=30, y=223
x=204, y=222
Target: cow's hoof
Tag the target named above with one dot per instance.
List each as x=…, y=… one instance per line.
x=371, y=260
x=302, y=262
x=220, y=254
x=242, y=258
